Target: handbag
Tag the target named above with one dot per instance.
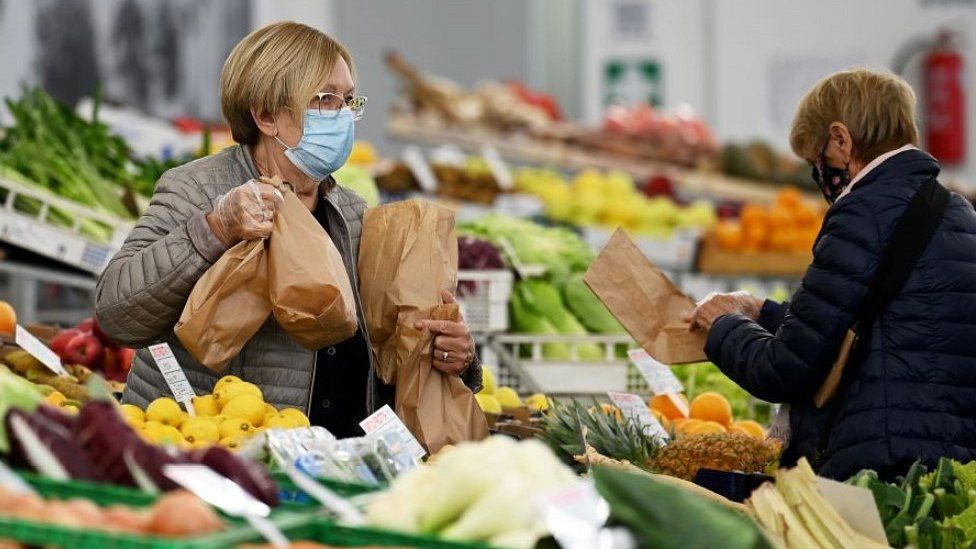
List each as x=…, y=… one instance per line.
x=900, y=256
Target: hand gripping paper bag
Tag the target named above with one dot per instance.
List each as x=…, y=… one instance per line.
x=227, y=306
x=297, y=275
x=311, y=295
x=407, y=258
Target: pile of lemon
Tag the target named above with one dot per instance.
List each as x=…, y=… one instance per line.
x=234, y=412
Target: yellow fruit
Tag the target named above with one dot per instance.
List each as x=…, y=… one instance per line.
x=132, y=413
x=200, y=429
x=538, y=402
x=166, y=411
x=671, y=406
x=235, y=427
x=70, y=409
x=488, y=381
x=230, y=391
x=488, y=403
x=269, y=409
x=56, y=398
x=231, y=443
x=206, y=405
x=226, y=380
x=705, y=427
x=682, y=426
x=665, y=422
x=507, y=397
x=248, y=407
x=301, y=420
x=167, y=435
x=712, y=406
x=750, y=427
x=280, y=421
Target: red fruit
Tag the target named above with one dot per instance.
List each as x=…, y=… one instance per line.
x=125, y=357
x=96, y=331
x=86, y=350
x=659, y=185
x=110, y=362
x=86, y=325
x=62, y=339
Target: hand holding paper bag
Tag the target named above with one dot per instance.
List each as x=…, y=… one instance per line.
x=645, y=302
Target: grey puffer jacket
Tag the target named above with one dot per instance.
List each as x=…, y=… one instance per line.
x=145, y=286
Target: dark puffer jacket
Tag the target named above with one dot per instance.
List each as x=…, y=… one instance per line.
x=914, y=396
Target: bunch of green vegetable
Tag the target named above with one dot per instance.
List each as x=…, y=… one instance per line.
x=537, y=308
x=589, y=310
x=923, y=509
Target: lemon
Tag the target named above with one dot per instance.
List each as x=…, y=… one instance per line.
x=167, y=435
x=488, y=403
x=200, y=429
x=507, y=397
x=280, y=421
x=301, y=420
x=166, y=411
x=231, y=443
x=132, y=413
x=236, y=427
x=216, y=420
x=269, y=409
x=206, y=405
x=538, y=401
x=488, y=381
x=56, y=398
x=231, y=391
x=248, y=407
x=71, y=409
x=226, y=380
x=149, y=430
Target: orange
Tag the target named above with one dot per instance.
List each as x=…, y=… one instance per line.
x=705, y=427
x=712, y=406
x=750, y=427
x=729, y=235
x=8, y=318
x=682, y=426
x=662, y=419
x=671, y=406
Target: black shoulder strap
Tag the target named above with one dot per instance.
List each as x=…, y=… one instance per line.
x=900, y=256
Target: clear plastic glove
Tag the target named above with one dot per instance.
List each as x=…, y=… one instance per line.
x=715, y=305
x=245, y=213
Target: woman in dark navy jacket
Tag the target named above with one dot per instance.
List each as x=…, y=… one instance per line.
x=913, y=395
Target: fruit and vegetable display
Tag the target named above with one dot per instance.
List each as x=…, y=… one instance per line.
x=86, y=345
x=360, y=180
x=466, y=178
x=758, y=160
x=475, y=492
x=705, y=377
x=790, y=224
x=176, y=514
x=496, y=399
x=611, y=199
x=233, y=413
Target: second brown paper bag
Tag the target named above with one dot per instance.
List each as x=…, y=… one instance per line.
x=407, y=258
x=645, y=302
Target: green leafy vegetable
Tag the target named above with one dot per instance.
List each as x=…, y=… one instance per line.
x=588, y=308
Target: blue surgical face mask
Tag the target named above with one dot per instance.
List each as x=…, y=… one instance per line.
x=325, y=144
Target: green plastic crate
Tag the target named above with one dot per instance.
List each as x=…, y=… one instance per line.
x=322, y=530
x=37, y=533
x=295, y=497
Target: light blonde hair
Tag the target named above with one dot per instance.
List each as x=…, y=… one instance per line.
x=877, y=107
x=277, y=66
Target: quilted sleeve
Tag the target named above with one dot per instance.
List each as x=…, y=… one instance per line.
x=142, y=291
x=791, y=363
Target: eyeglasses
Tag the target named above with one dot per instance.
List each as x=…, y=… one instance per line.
x=330, y=104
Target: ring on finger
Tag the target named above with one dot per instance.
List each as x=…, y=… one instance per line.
x=445, y=355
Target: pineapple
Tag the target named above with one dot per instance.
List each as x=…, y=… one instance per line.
x=610, y=436
x=722, y=451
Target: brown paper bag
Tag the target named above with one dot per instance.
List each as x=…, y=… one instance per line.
x=310, y=291
x=407, y=257
x=437, y=408
x=227, y=306
x=645, y=302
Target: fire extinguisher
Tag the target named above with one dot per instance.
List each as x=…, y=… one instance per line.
x=943, y=100
x=945, y=103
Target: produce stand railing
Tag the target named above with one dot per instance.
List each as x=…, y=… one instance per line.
x=37, y=232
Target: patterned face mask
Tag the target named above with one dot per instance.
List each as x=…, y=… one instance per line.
x=832, y=181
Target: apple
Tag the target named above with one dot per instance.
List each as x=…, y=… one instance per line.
x=110, y=362
x=84, y=349
x=96, y=331
x=86, y=325
x=125, y=357
x=62, y=339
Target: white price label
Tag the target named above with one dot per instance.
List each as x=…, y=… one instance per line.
x=634, y=406
x=659, y=376
x=574, y=514
x=414, y=159
x=38, y=350
x=385, y=422
x=174, y=376
x=498, y=168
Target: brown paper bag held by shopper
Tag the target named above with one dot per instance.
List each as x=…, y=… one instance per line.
x=298, y=271
x=407, y=268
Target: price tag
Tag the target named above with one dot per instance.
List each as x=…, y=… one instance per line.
x=634, y=406
x=659, y=377
x=38, y=350
x=414, y=159
x=574, y=514
x=498, y=168
x=173, y=373
x=384, y=422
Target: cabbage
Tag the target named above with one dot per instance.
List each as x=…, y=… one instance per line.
x=358, y=179
x=16, y=393
x=588, y=308
x=541, y=299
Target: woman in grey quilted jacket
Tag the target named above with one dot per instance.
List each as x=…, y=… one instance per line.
x=287, y=92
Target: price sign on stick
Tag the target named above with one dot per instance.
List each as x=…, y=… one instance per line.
x=385, y=422
x=632, y=405
x=38, y=350
x=659, y=376
x=174, y=376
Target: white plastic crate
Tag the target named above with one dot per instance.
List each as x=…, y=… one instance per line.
x=483, y=296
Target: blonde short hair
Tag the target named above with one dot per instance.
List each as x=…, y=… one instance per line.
x=277, y=66
x=877, y=107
